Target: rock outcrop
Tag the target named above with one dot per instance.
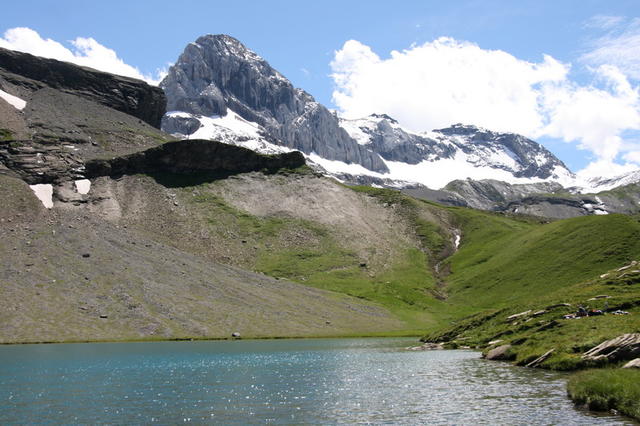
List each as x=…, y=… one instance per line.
x=67, y=115
x=622, y=348
x=128, y=95
x=196, y=157
x=37, y=163
x=217, y=73
x=499, y=353
x=543, y=199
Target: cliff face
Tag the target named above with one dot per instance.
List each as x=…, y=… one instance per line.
x=218, y=73
x=54, y=116
x=192, y=158
x=128, y=95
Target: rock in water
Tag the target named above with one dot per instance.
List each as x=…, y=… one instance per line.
x=429, y=346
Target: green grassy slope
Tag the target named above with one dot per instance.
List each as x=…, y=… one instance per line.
x=503, y=261
x=607, y=389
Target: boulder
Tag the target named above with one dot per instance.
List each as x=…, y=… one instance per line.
x=622, y=348
x=235, y=335
x=634, y=363
x=501, y=352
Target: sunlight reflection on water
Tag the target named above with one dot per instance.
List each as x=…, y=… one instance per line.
x=275, y=381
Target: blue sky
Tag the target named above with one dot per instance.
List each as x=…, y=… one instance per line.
x=301, y=39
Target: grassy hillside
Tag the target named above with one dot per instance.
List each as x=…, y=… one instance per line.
x=72, y=274
x=503, y=262
x=378, y=246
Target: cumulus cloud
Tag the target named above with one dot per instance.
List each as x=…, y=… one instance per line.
x=446, y=81
x=84, y=51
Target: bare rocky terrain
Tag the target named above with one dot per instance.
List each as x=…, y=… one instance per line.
x=75, y=274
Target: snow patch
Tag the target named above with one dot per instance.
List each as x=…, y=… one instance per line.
x=355, y=129
x=232, y=129
x=178, y=114
x=83, y=186
x=433, y=174
x=14, y=101
x=44, y=192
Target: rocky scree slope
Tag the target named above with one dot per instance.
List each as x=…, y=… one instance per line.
x=83, y=272
x=95, y=267
x=217, y=73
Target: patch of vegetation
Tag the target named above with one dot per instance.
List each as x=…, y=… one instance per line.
x=607, y=389
x=6, y=135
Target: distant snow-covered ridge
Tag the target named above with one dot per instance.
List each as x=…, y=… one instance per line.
x=219, y=89
x=470, y=156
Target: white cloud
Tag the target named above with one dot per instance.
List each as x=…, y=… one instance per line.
x=604, y=22
x=440, y=83
x=85, y=51
x=619, y=46
x=448, y=81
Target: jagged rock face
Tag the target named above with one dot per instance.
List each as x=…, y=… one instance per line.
x=532, y=158
x=385, y=136
x=40, y=163
x=217, y=73
x=543, y=199
x=180, y=125
x=494, y=195
x=196, y=157
x=128, y=95
x=521, y=157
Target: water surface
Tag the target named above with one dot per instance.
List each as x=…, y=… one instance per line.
x=321, y=381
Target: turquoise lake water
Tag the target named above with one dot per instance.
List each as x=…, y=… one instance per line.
x=315, y=381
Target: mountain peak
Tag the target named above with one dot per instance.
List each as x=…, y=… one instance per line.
x=218, y=74
x=226, y=45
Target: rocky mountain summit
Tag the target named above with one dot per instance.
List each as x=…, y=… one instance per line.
x=217, y=74
x=217, y=80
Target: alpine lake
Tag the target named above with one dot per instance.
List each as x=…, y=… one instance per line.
x=293, y=381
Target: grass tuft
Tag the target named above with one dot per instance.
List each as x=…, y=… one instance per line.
x=607, y=389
